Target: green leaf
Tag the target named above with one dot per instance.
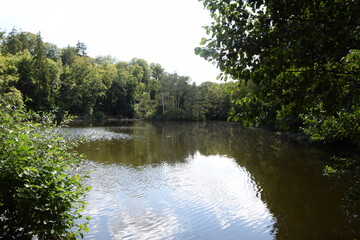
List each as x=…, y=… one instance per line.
x=203, y=41
x=24, y=148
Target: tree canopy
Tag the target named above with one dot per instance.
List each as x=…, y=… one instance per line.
x=302, y=58
x=45, y=77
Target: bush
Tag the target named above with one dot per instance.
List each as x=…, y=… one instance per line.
x=99, y=115
x=39, y=195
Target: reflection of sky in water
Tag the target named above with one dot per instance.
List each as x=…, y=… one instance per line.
x=208, y=197
x=225, y=190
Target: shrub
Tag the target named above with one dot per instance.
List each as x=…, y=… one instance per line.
x=40, y=196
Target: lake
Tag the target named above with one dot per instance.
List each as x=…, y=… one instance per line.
x=213, y=180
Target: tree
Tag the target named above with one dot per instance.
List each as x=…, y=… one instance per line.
x=156, y=72
x=120, y=97
x=38, y=76
x=181, y=85
x=193, y=105
x=12, y=43
x=215, y=99
x=81, y=86
x=68, y=55
x=16, y=42
x=146, y=69
x=8, y=70
x=107, y=73
x=26, y=83
x=52, y=52
x=105, y=59
x=297, y=53
x=66, y=79
x=42, y=97
x=2, y=34
x=81, y=49
x=13, y=97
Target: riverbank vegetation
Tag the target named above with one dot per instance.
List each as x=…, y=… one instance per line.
x=40, y=195
x=297, y=66
x=48, y=78
x=302, y=59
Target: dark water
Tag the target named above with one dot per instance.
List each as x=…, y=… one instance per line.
x=209, y=181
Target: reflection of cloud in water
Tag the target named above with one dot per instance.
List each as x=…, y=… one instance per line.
x=95, y=134
x=122, y=206
x=224, y=190
x=208, y=197
x=141, y=222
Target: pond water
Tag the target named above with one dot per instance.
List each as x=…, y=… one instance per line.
x=215, y=180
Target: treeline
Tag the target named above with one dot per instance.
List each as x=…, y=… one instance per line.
x=45, y=77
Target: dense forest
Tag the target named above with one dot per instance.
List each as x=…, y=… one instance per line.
x=46, y=78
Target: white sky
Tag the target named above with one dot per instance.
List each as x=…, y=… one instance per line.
x=161, y=31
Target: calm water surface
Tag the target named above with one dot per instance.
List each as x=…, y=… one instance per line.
x=170, y=180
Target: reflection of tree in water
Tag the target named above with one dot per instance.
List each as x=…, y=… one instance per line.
x=305, y=204
x=148, y=145
x=295, y=190
x=293, y=186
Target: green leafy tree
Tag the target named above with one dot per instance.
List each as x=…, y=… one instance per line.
x=216, y=100
x=68, y=80
x=52, y=52
x=81, y=49
x=15, y=42
x=297, y=53
x=12, y=43
x=81, y=86
x=145, y=107
x=107, y=73
x=173, y=89
x=13, y=97
x=68, y=55
x=121, y=96
x=156, y=73
x=105, y=59
x=193, y=104
x=42, y=97
x=146, y=69
x=25, y=67
x=2, y=34
x=180, y=88
x=8, y=72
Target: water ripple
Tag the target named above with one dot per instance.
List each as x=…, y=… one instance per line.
x=95, y=134
x=206, y=198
